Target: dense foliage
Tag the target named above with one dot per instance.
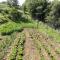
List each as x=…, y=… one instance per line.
x=45, y=11
x=13, y=3
x=41, y=10
x=37, y=8
x=54, y=15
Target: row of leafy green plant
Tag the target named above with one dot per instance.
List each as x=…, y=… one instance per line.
x=5, y=43
x=20, y=47
x=17, y=51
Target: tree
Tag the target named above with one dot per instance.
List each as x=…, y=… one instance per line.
x=54, y=15
x=12, y=3
x=15, y=13
x=37, y=8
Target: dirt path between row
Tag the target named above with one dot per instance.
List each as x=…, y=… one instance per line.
x=30, y=51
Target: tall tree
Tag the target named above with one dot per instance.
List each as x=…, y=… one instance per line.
x=15, y=13
x=12, y=3
x=37, y=8
x=54, y=15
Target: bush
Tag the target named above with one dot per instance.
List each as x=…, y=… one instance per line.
x=37, y=8
x=3, y=19
x=15, y=14
x=54, y=15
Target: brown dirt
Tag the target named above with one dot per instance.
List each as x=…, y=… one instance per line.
x=30, y=51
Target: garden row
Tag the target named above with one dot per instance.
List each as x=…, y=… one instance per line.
x=12, y=46
x=47, y=47
x=17, y=48
x=5, y=43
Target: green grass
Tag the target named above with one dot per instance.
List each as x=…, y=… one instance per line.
x=10, y=27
